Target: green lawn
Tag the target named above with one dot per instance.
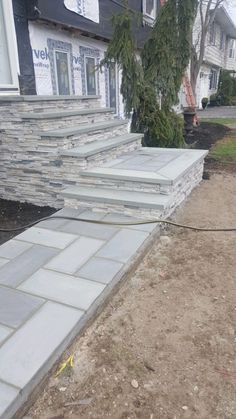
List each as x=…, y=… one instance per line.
x=224, y=150
x=222, y=121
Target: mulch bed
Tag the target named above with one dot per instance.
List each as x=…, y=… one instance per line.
x=204, y=137
x=17, y=214
x=206, y=134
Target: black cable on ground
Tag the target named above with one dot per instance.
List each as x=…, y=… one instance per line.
x=113, y=223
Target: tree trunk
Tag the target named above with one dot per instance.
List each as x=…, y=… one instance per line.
x=194, y=71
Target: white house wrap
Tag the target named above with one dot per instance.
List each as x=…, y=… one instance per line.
x=86, y=8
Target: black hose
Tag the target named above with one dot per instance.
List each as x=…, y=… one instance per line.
x=130, y=223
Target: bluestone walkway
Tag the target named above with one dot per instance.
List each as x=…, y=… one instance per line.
x=53, y=277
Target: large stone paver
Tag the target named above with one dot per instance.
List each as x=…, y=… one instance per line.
x=56, y=224
x=22, y=356
x=121, y=218
x=20, y=268
x=121, y=247
x=63, y=288
x=16, y=307
x=13, y=248
x=75, y=255
x=92, y=230
x=47, y=237
x=99, y=269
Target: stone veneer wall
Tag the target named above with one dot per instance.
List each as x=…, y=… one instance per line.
x=178, y=192
x=32, y=168
x=187, y=181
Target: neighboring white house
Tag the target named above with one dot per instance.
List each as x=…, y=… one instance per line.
x=220, y=53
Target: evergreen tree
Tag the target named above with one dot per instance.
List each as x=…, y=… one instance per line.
x=156, y=73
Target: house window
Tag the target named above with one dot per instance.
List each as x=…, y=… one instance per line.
x=231, y=48
x=90, y=67
x=112, y=75
x=150, y=8
x=213, y=79
x=62, y=72
x=222, y=40
x=212, y=34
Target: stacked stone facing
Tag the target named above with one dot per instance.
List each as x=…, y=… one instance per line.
x=32, y=165
x=49, y=144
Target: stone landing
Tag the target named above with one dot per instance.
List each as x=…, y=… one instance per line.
x=149, y=182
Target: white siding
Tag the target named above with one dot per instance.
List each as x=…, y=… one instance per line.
x=230, y=62
x=213, y=54
x=216, y=57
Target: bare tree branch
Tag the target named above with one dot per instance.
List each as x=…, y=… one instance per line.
x=207, y=13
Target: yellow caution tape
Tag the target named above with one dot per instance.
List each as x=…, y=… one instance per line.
x=69, y=362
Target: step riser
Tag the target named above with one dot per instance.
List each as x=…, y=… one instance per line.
x=76, y=164
x=137, y=212
x=187, y=179
x=29, y=141
x=124, y=185
x=30, y=128
x=65, y=121
x=49, y=143
x=11, y=110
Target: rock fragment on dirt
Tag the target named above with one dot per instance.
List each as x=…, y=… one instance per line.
x=134, y=383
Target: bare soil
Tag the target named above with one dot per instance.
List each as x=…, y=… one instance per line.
x=170, y=327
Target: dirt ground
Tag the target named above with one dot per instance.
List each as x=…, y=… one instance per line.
x=164, y=346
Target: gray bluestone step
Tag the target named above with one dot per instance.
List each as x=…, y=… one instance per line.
x=39, y=98
x=83, y=129
x=63, y=113
x=108, y=173
x=96, y=147
x=146, y=168
x=119, y=197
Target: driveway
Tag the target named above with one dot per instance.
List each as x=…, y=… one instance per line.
x=218, y=112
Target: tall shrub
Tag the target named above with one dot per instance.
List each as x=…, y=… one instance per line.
x=226, y=87
x=156, y=73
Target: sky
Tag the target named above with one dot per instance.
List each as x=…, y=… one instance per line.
x=232, y=11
